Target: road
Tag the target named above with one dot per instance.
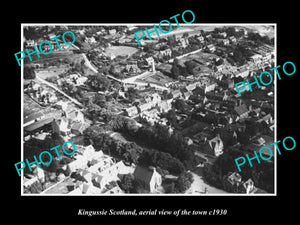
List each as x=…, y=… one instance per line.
x=88, y=63
x=58, y=90
x=199, y=186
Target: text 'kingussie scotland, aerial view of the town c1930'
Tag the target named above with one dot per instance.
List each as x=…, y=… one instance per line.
x=160, y=118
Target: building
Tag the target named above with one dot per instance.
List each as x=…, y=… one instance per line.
x=61, y=126
x=112, y=31
x=164, y=106
x=233, y=182
x=210, y=87
x=242, y=72
x=176, y=93
x=242, y=111
x=80, y=162
x=216, y=145
x=232, y=39
x=149, y=178
x=223, y=34
x=256, y=58
x=78, y=128
x=75, y=115
x=149, y=61
x=225, y=42
x=211, y=48
x=32, y=118
x=249, y=186
x=184, y=42
x=132, y=68
x=166, y=52
x=131, y=111
x=145, y=106
x=201, y=39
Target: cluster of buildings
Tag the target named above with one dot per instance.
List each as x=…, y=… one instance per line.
x=216, y=113
x=233, y=183
x=92, y=172
x=40, y=93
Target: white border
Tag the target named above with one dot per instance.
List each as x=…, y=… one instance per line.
x=147, y=24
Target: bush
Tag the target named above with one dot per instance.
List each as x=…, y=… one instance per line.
x=183, y=182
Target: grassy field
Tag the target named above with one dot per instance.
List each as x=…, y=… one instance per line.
x=120, y=50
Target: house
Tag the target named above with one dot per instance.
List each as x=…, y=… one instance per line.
x=131, y=111
x=201, y=39
x=61, y=105
x=233, y=181
x=132, y=68
x=186, y=95
x=34, y=117
x=242, y=111
x=211, y=48
x=166, y=52
x=149, y=178
x=80, y=162
x=145, y=106
x=184, y=42
x=234, y=178
x=75, y=116
x=210, y=87
x=232, y=39
x=98, y=181
x=89, y=152
x=216, y=145
x=164, y=106
x=149, y=61
x=223, y=34
x=191, y=87
x=102, y=164
x=256, y=58
x=268, y=119
x=176, y=93
x=60, y=126
x=78, y=128
x=80, y=80
x=112, y=31
x=225, y=42
x=241, y=72
x=249, y=186
x=219, y=68
x=89, y=189
x=90, y=40
x=240, y=88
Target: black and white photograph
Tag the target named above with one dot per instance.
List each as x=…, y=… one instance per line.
x=150, y=113
x=108, y=112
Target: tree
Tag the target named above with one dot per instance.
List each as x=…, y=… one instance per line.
x=175, y=72
x=183, y=182
x=171, y=116
x=100, y=100
x=172, y=41
x=29, y=72
x=127, y=183
x=99, y=82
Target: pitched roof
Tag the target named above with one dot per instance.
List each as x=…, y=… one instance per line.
x=33, y=116
x=78, y=126
x=241, y=109
x=234, y=177
x=38, y=124
x=143, y=174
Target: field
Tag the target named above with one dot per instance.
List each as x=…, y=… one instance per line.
x=120, y=50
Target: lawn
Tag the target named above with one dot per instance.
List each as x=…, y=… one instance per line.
x=120, y=50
